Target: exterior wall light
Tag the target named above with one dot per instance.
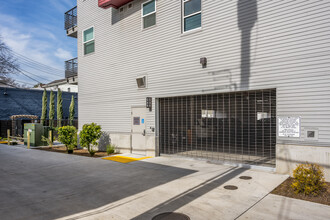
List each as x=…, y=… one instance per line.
x=141, y=82
x=203, y=61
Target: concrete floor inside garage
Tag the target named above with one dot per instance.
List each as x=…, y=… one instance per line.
x=45, y=185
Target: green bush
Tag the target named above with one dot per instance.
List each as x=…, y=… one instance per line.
x=91, y=152
x=46, y=140
x=308, y=179
x=89, y=134
x=67, y=135
x=111, y=149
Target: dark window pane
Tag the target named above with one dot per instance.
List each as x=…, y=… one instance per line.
x=89, y=47
x=149, y=20
x=89, y=34
x=192, y=22
x=149, y=7
x=191, y=7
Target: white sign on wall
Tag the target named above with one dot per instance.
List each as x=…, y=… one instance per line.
x=289, y=126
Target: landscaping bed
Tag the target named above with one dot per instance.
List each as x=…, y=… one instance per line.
x=80, y=152
x=285, y=189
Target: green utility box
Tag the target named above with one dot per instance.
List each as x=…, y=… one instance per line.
x=36, y=132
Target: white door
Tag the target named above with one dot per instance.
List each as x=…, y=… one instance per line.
x=138, y=130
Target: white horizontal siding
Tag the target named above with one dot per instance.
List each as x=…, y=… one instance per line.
x=289, y=48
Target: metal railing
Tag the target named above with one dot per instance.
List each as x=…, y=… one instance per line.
x=70, y=18
x=71, y=68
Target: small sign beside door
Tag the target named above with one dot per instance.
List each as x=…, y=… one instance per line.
x=136, y=121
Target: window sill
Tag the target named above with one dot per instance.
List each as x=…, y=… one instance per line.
x=148, y=28
x=89, y=54
x=192, y=31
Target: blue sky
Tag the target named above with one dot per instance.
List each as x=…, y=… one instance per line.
x=35, y=28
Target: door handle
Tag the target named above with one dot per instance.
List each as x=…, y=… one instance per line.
x=144, y=132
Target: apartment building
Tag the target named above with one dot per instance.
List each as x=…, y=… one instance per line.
x=240, y=82
x=61, y=84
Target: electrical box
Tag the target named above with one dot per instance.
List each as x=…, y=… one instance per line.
x=36, y=132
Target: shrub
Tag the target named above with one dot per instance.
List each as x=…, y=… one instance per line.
x=92, y=152
x=111, y=149
x=67, y=136
x=46, y=140
x=308, y=179
x=89, y=134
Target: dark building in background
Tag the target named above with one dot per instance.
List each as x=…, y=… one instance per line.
x=14, y=101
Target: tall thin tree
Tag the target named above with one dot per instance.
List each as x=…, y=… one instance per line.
x=51, y=108
x=44, y=108
x=59, y=108
x=71, y=111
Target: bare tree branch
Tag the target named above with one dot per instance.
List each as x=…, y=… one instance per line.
x=8, y=65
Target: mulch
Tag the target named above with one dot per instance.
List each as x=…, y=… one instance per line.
x=80, y=152
x=285, y=189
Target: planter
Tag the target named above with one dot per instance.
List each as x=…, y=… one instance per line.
x=70, y=151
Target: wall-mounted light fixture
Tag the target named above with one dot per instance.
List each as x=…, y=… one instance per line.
x=141, y=82
x=203, y=61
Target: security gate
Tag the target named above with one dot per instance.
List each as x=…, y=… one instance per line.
x=235, y=127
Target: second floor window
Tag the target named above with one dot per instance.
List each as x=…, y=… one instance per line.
x=88, y=40
x=192, y=14
x=149, y=13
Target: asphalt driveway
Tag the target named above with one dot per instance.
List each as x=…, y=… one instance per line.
x=45, y=185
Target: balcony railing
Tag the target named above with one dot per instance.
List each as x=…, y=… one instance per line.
x=70, y=18
x=71, y=68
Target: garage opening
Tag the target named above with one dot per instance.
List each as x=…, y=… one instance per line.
x=235, y=127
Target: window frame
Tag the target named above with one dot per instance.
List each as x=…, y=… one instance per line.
x=184, y=17
x=142, y=16
x=83, y=42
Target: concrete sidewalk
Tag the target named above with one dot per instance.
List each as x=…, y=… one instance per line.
x=280, y=207
x=37, y=184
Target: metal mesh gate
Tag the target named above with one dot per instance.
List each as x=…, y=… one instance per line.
x=235, y=127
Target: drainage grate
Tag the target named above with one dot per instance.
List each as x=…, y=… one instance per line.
x=171, y=216
x=230, y=187
x=245, y=177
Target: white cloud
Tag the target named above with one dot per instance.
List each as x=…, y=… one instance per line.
x=35, y=43
x=63, y=54
x=31, y=41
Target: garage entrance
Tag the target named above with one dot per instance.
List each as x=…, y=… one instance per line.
x=234, y=127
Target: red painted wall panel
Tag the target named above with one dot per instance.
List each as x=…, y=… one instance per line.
x=112, y=3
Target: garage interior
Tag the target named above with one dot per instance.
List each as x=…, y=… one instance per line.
x=236, y=127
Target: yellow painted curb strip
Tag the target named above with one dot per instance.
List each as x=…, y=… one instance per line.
x=123, y=159
x=3, y=142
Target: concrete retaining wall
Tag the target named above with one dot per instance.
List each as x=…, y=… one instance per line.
x=288, y=156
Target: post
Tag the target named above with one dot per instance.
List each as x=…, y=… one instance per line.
x=28, y=139
x=50, y=134
x=8, y=136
